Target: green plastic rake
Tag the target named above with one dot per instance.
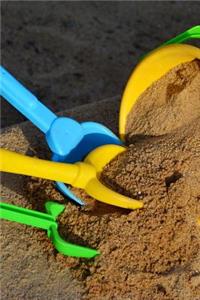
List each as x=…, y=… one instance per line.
x=48, y=222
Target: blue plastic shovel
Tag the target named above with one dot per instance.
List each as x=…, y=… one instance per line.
x=68, y=140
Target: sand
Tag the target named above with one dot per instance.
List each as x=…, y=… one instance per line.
x=173, y=101
x=151, y=253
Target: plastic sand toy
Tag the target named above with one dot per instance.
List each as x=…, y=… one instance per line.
x=82, y=175
x=46, y=221
x=68, y=140
x=153, y=66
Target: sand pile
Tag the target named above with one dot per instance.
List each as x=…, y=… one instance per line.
x=152, y=253
x=169, y=103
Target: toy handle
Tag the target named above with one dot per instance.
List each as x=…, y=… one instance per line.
x=26, y=216
x=24, y=101
x=45, y=221
x=192, y=33
x=16, y=163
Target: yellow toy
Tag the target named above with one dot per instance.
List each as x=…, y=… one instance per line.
x=82, y=175
x=154, y=66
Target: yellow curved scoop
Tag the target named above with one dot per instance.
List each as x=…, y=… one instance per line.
x=151, y=68
x=81, y=175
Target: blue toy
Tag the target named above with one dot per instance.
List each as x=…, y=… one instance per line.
x=69, y=140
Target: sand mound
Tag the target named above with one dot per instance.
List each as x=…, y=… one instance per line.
x=152, y=253
x=149, y=253
x=169, y=103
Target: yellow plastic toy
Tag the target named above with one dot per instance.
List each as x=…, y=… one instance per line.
x=82, y=175
x=154, y=66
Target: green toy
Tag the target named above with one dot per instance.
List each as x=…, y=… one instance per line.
x=192, y=33
x=48, y=222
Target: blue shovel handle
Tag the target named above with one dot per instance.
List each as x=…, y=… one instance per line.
x=24, y=101
x=62, y=134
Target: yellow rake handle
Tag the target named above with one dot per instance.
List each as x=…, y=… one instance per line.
x=81, y=175
x=12, y=162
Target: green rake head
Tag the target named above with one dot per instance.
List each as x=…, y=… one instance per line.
x=48, y=222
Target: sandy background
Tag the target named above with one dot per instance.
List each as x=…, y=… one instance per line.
x=69, y=54
x=72, y=53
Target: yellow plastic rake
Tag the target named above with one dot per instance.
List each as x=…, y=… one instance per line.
x=82, y=175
